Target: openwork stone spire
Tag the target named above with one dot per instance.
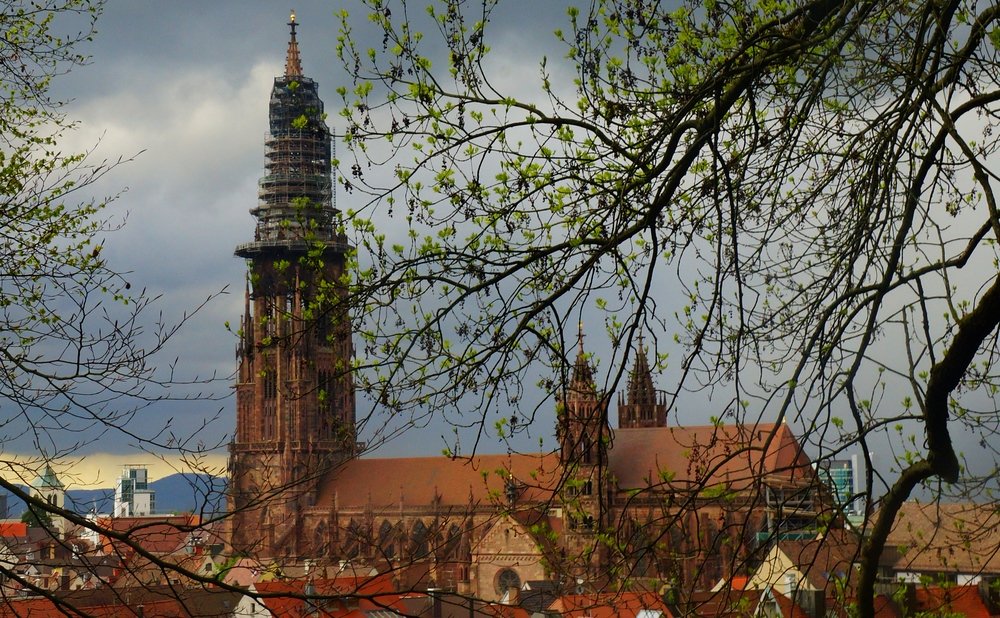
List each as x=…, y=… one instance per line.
x=641, y=405
x=582, y=381
x=295, y=209
x=640, y=384
x=293, y=63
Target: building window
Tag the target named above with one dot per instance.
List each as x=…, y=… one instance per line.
x=419, y=546
x=507, y=579
x=324, y=329
x=454, y=544
x=270, y=385
x=325, y=403
x=386, y=540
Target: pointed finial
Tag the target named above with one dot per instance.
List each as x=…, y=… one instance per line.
x=293, y=64
x=640, y=385
x=583, y=378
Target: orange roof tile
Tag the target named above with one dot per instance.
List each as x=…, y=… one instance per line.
x=686, y=456
x=423, y=480
x=787, y=607
x=952, y=600
x=342, y=597
x=158, y=535
x=13, y=528
x=608, y=605
x=961, y=537
x=736, y=455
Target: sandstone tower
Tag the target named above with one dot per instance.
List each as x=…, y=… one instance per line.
x=294, y=393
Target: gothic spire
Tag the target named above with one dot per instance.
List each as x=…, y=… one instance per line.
x=293, y=63
x=641, y=405
x=640, y=384
x=295, y=204
x=583, y=376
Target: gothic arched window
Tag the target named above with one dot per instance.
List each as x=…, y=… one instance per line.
x=454, y=545
x=353, y=539
x=507, y=579
x=585, y=448
x=387, y=539
x=419, y=540
x=320, y=542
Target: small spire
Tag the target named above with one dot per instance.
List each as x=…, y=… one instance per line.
x=293, y=63
x=583, y=377
x=640, y=385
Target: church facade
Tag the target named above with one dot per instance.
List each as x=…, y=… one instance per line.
x=645, y=505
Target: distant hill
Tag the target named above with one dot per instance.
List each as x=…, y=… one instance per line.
x=177, y=493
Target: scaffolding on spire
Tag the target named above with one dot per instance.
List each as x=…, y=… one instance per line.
x=296, y=208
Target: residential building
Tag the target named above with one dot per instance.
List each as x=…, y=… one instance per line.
x=941, y=542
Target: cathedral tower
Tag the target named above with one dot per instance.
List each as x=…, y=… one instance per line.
x=584, y=441
x=294, y=394
x=641, y=405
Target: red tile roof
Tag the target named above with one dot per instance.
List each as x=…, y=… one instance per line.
x=424, y=480
x=725, y=603
x=787, y=607
x=342, y=597
x=110, y=603
x=497, y=610
x=608, y=605
x=952, y=600
x=686, y=456
x=735, y=455
x=13, y=528
x=158, y=535
x=961, y=537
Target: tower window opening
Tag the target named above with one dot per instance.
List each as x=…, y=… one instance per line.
x=270, y=385
x=585, y=449
x=324, y=329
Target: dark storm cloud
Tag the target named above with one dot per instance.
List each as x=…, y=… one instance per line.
x=182, y=87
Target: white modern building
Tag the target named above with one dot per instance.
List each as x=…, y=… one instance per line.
x=133, y=497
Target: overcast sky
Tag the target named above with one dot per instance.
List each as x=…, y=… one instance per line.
x=182, y=88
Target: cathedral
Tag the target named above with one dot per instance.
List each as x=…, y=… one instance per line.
x=644, y=505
